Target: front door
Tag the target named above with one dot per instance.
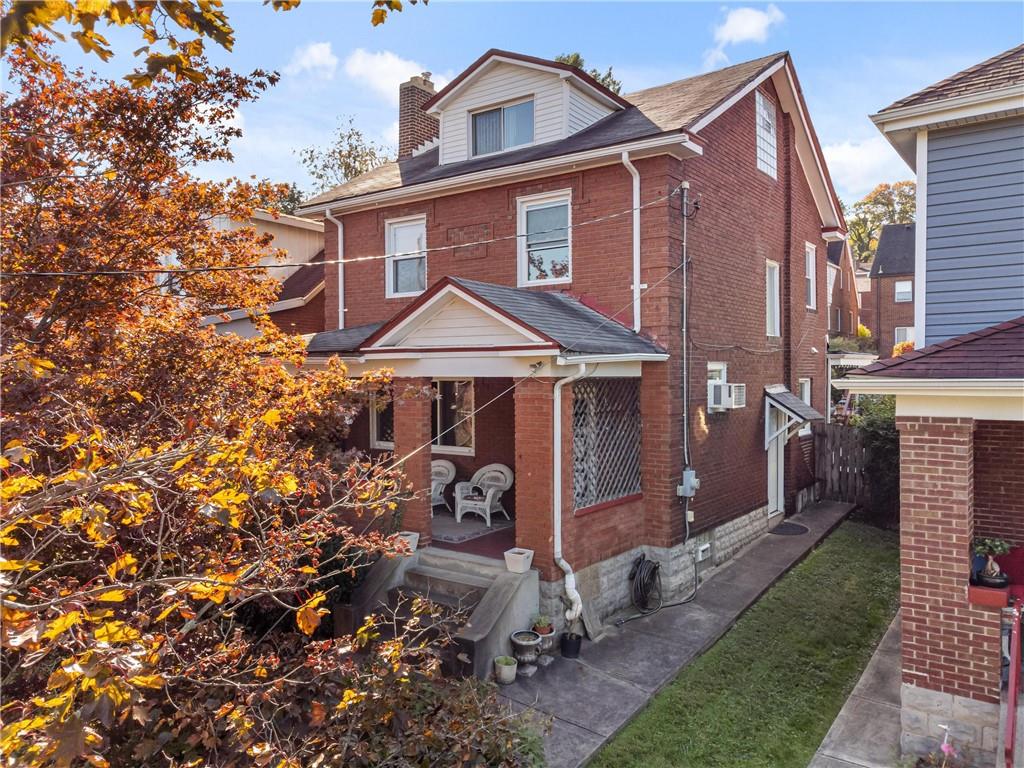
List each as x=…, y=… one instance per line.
x=776, y=462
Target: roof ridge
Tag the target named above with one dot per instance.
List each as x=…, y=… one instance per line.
x=770, y=57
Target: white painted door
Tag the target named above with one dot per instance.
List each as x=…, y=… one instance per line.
x=776, y=463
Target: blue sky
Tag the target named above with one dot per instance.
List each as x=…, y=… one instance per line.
x=852, y=59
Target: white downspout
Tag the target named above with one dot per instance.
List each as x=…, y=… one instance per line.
x=636, y=239
x=341, y=266
x=573, y=612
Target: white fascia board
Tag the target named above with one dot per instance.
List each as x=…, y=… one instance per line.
x=729, y=103
x=291, y=221
x=932, y=113
x=492, y=176
x=891, y=385
x=277, y=306
x=436, y=304
x=639, y=357
x=398, y=353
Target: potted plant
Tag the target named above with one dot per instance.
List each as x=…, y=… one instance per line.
x=542, y=626
x=987, y=573
x=505, y=670
x=571, y=641
x=525, y=646
x=518, y=560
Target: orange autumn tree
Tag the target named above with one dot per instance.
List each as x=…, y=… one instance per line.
x=175, y=510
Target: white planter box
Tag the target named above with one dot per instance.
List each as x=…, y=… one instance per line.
x=518, y=560
x=410, y=536
x=505, y=674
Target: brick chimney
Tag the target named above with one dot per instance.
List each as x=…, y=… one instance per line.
x=415, y=127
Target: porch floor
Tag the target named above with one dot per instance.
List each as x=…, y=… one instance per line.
x=618, y=675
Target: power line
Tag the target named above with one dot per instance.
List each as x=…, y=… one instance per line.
x=352, y=260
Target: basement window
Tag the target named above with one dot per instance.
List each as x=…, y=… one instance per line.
x=606, y=440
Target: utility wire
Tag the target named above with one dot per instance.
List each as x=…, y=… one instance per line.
x=353, y=260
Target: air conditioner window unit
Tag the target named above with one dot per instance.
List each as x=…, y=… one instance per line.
x=718, y=396
x=737, y=395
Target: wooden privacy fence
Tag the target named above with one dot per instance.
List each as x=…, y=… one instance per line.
x=841, y=458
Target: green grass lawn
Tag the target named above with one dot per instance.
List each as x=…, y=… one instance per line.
x=767, y=692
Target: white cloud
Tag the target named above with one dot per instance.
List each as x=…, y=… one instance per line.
x=315, y=58
x=391, y=134
x=857, y=167
x=383, y=71
x=742, y=25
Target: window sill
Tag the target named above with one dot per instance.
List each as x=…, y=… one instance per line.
x=403, y=295
x=541, y=283
x=607, y=504
x=452, y=450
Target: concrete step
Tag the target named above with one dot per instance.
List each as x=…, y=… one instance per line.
x=440, y=583
x=461, y=562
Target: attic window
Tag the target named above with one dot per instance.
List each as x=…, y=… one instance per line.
x=495, y=130
x=766, y=145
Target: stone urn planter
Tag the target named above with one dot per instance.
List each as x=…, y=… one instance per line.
x=525, y=646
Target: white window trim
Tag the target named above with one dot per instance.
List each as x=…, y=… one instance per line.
x=759, y=96
x=522, y=204
x=895, y=292
x=897, y=329
x=806, y=429
x=775, y=332
x=811, y=256
x=455, y=450
x=379, y=445
x=389, y=273
x=491, y=108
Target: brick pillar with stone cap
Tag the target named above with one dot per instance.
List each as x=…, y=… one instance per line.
x=415, y=126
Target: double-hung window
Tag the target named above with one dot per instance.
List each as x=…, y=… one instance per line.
x=810, y=276
x=766, y=145
x=904, y=291
x=805, y=395
x=771, y=299
x=451, y=419
x=501, y=128
x=545, y=238
x=406, y=263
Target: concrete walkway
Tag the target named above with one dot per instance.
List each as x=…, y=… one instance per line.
x=591, y=698
x=866, y=732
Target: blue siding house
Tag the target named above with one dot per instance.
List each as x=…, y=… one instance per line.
x=964, y=137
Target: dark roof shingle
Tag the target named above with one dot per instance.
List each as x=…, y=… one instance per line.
x=835, y=252
x=895, y=252
x=303, y=280
x=1002, y=70
x=662, y=109
x=341, y=339
x=996, y=352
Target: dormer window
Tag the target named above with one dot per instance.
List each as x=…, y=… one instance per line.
x=501, y=128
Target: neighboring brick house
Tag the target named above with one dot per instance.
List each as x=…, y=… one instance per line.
x=960, y=406
x=534, y=280
x=892, y=287
x=843, y=300
x=300, y=305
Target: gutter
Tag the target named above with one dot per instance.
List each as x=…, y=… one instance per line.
x=636, y=238
x=572, y=613
x=340, y=265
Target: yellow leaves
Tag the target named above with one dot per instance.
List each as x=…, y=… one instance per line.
x=229, y=500
x=19, y=485
x=166, y=611
x=19, y=565
x=70, y=439
x=125, y=562
x=110, y=176
x=182, y=462
x=349, y=698
x=40, y=368
x=116, y=632
x=93, y=7
x=146, y=681
x=112, y=596
x=213, y=587
x=271, y=418
x=378, y=17
x=62, y=624
x=308, y=616
x=137, y=396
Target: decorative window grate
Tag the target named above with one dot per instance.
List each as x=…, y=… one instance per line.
x=606, y=440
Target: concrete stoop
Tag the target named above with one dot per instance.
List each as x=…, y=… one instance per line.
x=493, y=602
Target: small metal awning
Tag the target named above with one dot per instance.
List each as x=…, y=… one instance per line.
x=796, y=411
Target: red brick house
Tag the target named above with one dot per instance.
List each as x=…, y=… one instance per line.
x=960, y=410
x=844, y=311
x=521, y=269
x=892, y=287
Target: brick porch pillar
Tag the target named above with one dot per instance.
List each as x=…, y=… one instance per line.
x=534, y=400
x=951, y=649
x=413, y=401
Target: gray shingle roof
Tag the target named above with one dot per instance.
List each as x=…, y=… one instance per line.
x=895, y=253
x=662, y=109
x=786, y=400
x=835, y=252
x=574, y=326
x=1002, y=70
x=341, y=339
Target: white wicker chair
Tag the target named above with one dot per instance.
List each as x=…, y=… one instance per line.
x=487, y=486
x=442, y=472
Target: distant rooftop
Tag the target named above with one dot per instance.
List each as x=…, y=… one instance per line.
x=895, y=254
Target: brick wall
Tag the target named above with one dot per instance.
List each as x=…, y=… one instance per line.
x=306, y=319
x=999, y=480
x=887, y=313
x=844, y=298
x=948, y=645
x=412, y=430
x=746, y=217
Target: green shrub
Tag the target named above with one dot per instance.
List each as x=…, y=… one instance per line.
x=876, y=421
